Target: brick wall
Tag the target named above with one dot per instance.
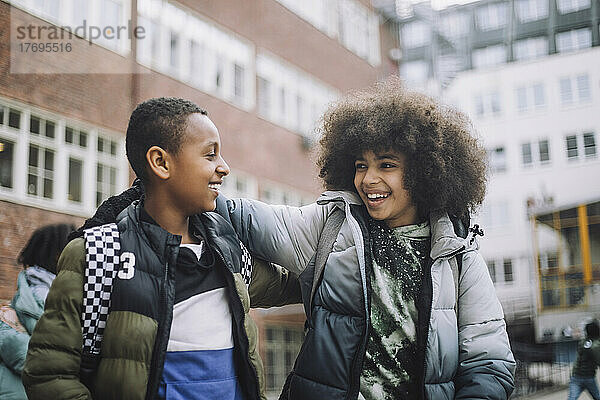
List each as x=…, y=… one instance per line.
x=17, y=223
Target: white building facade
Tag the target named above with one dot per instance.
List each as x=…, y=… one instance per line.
x=540, y=123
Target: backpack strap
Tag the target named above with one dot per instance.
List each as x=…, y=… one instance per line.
x=326, y=240
x=102, y=252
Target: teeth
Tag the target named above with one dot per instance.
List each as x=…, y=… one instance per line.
x=214, y=186
x=377, y=195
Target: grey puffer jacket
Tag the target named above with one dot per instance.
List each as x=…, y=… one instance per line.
x=465, y=357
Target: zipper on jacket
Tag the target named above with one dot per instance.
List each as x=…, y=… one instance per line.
x=243, y=334
x=360, y=354
x=428, y=279
x=161, y=344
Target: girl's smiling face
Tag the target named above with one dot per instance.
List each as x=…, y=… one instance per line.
x=379, y=181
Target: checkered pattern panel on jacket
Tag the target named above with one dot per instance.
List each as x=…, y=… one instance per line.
x=102, y=252
x=246, y=264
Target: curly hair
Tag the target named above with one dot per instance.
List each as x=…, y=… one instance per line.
x=445, y=166
x=157, y=122
x=44, y=246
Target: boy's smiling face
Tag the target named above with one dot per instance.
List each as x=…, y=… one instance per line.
x=198, y=168
x=379, y=181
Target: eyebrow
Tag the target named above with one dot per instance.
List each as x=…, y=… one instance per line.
x=384, y=156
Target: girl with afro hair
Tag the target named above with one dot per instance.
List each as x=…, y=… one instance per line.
x=404, y=308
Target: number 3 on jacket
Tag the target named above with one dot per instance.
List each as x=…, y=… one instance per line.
x=127, y=269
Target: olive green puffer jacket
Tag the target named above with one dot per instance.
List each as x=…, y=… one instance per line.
x=134, y=343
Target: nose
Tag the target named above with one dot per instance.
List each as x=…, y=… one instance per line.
x=222, y=167
x=371, y=176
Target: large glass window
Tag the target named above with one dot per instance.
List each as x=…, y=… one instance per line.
x=264, y=96
x=75, y=187
x=489, y=56
x=569, y=6
x=492, y=16
x=7, y=155
x=572, y=40
x=106, y=182
x=544, y=150
x=571, y=142
x=566, y=91
x=508, y=270
x=416, y=34
x=40, y=176
x=583, y=88
x=531, y=10
x=497, y=158
x=282, y=344
x=530, y=48
x=589, y=144
x=527, y=156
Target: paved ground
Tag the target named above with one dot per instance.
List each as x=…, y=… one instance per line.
x=557, y=395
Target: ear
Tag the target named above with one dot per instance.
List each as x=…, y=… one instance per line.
x=159, y=162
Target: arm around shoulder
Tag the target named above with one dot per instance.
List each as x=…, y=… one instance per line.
x=54, y=356
x=272, y=286
x=486, y=363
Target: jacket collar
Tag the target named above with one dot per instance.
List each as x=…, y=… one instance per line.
x=444, y=241
x=346, y=196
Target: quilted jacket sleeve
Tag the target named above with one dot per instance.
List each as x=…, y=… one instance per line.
x=486, y=363
x=285, y=235
x=13, y=348
x=272, y=286
x=53, y=359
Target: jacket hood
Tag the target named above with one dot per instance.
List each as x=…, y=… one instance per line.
x=339, y=195
x=444, y=241
x=27, y=305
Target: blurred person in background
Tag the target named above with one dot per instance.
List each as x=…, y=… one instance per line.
x=588, y=359
x=19, y=317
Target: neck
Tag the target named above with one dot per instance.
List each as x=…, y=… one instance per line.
x=168, y=217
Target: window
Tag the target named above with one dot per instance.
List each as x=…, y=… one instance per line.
x=497, y=159
x=40, y=172
x=489, y=56
x=75, y=188
x=544, y=150
x=572, y=40
x=416, y=34
x=491, y=16
x=174, y=50
x=55, y=159
x=539, y=97
x=566, y=92
x=264, y=96
x=76, y=137
x=583, y=88
x=106, y=181
x=491, y=264
x=488, y=104
x=529, y=97
x=7, y=155
x=14, y=118
x=569, y=6
x=197, y=52
x=495, y=214
x=522, y=99
x=455, y=25
x=571, y=146
x=282, y=344
x=300, y=118
x=531, y=48
x=415, y=72
x=589, y=144
x=532, y=10
x=508, y=270
x=41, y=127
x=238, y=81
x=348, y=21
x=527, y=157
x=196, y=59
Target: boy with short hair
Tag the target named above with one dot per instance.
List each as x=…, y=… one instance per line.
x=178, y=325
